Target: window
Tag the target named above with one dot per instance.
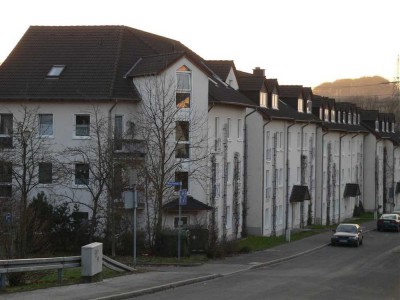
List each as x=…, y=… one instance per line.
x=393, y=127
x=320, y=113
x=239, y=129
x=263, y=99
x=383, y=126
x=55, y=71
x=81, y=174
x=182, y=151
x=326, y=115
x=228, y=128
x=6, y=127
x=376, y=125
x=5, y=179
x=274, y=101
x=118, y=132
x=280, y=177
x=46, y=124
x=45, y=173
x=267, y=185
x=339, y=117
x=333, y=118
x=82, y=123
x=266, y=219
x=184, y=178
x=183, y=87
x=344, y=118
x=216, y=128
x=228, y=217
x=182, y=131
x=184, y=221
x=182, y=139
x=309, y=106
x=228, y=172
x=300, y=105
x=349, y=118
x=280, y=214
x=268, y=146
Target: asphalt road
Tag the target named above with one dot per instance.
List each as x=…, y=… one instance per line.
x=371, y=271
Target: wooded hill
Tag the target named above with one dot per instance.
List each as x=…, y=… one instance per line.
x=347, y=89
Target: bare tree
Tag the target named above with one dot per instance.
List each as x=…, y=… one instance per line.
x=175, y=136
x=26, y=161
x=90, y=164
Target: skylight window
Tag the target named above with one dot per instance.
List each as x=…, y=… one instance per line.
x=55, y=71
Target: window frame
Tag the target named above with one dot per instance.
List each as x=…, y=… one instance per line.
x=78, y=181
x=183, y=94
x=44, y=134
x=87, y=125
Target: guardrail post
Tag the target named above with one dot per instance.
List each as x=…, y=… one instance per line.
x=60, y=275
x=2, y=280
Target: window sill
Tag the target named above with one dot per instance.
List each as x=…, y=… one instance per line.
x=79, y=186
x=240, y=140
x=46, y=136
x=81, y=137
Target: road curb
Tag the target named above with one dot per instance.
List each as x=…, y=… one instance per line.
x=159, y=288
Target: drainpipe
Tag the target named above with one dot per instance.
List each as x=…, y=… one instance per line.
x=244, y=211
x=302, y=180
x=315, y=171
x=340, y=173
x=287, y=230
x=394, y=204
x=110, y=196
x=375, y=175
x=263, y=180
x=322, y=168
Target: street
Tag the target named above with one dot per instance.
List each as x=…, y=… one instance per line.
x=371, y=271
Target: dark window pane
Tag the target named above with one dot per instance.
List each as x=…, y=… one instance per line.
x=182, y=131
x=5, y=172
x=5, y=191
x=182, y=151
x=118, y=133
x=45, y=173
x=182, y=177
x=82, y=174
x=46, y=124
x=6, y=123
x=82, y=125
x=183, y=100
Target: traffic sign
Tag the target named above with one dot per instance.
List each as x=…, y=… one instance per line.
x=174, y=183
x=183, y=197
x=8, y=218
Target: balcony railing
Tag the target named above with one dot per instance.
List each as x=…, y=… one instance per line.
x=132, y=147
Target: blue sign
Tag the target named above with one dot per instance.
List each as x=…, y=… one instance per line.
x=8, y=218
x=172, y=183
x=182, y=197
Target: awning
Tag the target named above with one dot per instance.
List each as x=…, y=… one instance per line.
x=191, y=205
x=299, y=193
x=351, y=190
x=397, y=188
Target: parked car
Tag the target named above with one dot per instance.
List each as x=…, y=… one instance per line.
x=347, y=234
x=388, y=222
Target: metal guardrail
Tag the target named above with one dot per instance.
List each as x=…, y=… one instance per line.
x=53, y=263
x=37, y=264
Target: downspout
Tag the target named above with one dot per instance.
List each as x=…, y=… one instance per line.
x=111, y=196
x=287, y=231
x=393, y=187
x=263, y=180
x=322, y=169
x=315, y=171
x=302, y=179
x=244, y=211
x=375, y=176
x=340, y=173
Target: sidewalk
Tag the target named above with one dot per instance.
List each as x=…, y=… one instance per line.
x=161, y=278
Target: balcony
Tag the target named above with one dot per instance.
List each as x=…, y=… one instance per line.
x=130, y=148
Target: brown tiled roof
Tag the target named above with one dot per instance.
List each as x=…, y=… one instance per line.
x=221, y=93
x=96, y=59
x=250, y=82
x=221, y=67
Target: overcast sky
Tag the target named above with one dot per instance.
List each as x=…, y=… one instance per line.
x=303, y=42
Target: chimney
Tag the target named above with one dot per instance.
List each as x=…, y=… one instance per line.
x=258, y=71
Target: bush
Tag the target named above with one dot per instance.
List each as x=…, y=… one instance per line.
x=358, y=210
